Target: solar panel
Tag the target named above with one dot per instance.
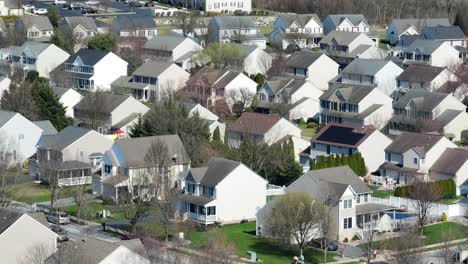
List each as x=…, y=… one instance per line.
x=341, y=135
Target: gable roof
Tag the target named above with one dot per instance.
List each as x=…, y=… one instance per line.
x=409, y=140
x=132, y=22
x=2, y=25
x=41, y=22
x=300, y=19
x=36, y=48
x=343, y=38
x=443, y=32
x=136, y=149
x=90, y=251
x=302, y=59
x=343, y=135
x=9, y=216
x=450, y=162
x=59, y=91
x=152, y=68
x=234, y=22
x=5, y=116
x=352, y=94
x=420, y=73
x=46, y=126
x=86, y=22
x=214, y=77
x=109, y=102
x=254, y=123
x=214, y=172
x=423, y=99
x=425, y=46
x=365, y=66
x=88, y=56
x=64, y=138
x=403, y=24
x=164, y=42
x=355, y=19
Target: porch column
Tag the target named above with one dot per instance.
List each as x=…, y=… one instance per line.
x=394, y=219
x=116, y=195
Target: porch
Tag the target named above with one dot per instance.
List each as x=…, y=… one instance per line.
x=201, y=209
x=66, y=173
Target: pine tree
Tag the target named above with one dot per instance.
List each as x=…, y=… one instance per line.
x=312, y=164
x=344, y=160
x=137, y=130
x=338, y=160
x=18, y=99
x=217, y=136
x=290, y=150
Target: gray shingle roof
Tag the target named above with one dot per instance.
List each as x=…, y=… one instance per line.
x=86, y=22
x=355, y=19
x=36, y=48
x=450, y=162
x=443, y=33
x=89, y=251
x=63, y=139
x=425, y=46
x=352, y=94
x=234, y=22
x=59, y=91
x=133, y=22
x=42, y=22
x=301, y=19
x=445, y=118
x=423, y=99
x=109, y=102
x=409, y=140
x=216, y=170
x=8, y=217
x=5, y=116
x=152, y=68
x=46, y=126
x=343, y=38
x=365, y=66
x=2, y=25
x=88, y=56
x=420, y=73
x=164, y=42
x=403, y=24
x=302, y=59
x=368, y=208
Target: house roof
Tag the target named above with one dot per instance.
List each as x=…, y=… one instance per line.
x=64, y=138
x=302, y=59
x=214, y=172
x=352, y=94
x=247, y=50
x=90, y=250
x=60, y=91
x=425, y=46
x=152, y=68
x=423, y=99
x=420, y=73
x=46, y=126
x=195, y=199
x=343, y=38
x=132, y=22
x=5, y=116
x=136, y=149
x=369, y=208
x=445, y=118
x=300, y=19
x=365, y=66
x=207, y=75
x=86, y=22
x=234, y=22
x=164, y=42
x=109, y=102
x=9, y=216
x=443, y=32
x=56, y=165
x=450, y=162
x=41, y=22
x=2, y=24
x=254, y=123
x=421, y=142
x=355, y=19
x=88, y=56
x=36, y=48
x=403, y=24
x=343, y=135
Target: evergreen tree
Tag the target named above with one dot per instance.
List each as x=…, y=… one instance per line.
x=290, y=150
x=32, y=76
x=288, y=173
x=312, y=164
x=138, y=129
x=63, y=41
x=18, y=99
x=338, y=160
x=103, y=42
x=217, y=136
x=54, y=16
x=344, y=160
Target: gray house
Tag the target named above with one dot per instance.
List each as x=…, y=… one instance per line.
x=80, y=27
x=134, y=26
x=238, y=29
x=452, y=35
x=35, y=28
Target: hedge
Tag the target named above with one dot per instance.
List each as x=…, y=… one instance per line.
x=447, y=188
x=354, y=161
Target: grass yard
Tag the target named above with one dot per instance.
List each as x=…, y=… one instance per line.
x=380, y=193
x=242, y=236
x=31, y=192
x=93, y=207
x=307, y=132
x=451, y=200
x=266, y=30
x=164, y=29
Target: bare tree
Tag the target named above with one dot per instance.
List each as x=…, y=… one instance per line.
x=82, y=199
x=51, y=177
x=368, y=236
x=405, y=245
x=218, y=250
x=185, y=21
x=424, y=195
x=91, y=112
x=133, y=203
x=37, y=254
x=278, y=64
x=239, y=99
x=8, y=172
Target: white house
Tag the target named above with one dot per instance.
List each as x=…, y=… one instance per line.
x=355, y=105
x=90, y=70
x=316, y=68
x=35, y=28
x=125, y=166
x=411, y=26
x=426, y=77
x=134, y=26
x=380, y=74
x=81, y=27
x=344, y=139
x=10, y=8
x=72, y=155
x=429, y=52
x=209, y=117
x=452, y=35
x=217, y=6
x=68, y=97
x=35, y=56
x=410, y=157
x=210, y=194
x=238, y=29
x=116, y=112
x=22, y=233
x=350, y=45
x=304, y=30
x=452, y=164
x=349, y=23
x=255, y=60
x=260, y=128
x=152, y=81
x=4, y=84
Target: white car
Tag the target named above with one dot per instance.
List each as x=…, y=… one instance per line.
x=92, y=2
x=28, y=8
x=60, y=2
x=40, y=11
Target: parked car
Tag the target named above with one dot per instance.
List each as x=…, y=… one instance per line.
x=74, y=7
x=89, y=10
x=60, y=2
x=59, y=218
x=28, y=8
x=62, y=234
x=40, y=11
x=92, y=2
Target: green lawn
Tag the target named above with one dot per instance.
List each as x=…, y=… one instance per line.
x=451, y=200
x=266, y=30
x=307, y=132
x=164, y=29
x=33, y=192
x=380, y=193
x=242, y=236
x=93, y=207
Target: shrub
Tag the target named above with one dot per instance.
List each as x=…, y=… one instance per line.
x=444, y=217
x=311, y=125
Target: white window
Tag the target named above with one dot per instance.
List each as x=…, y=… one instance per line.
x=358, y=199
x=348, y=223
x=366, y=198
x=348, y=203
x=21, y=136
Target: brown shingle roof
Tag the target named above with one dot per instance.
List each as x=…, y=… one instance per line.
x=420, y=73
x=254, y=123
x=450, y=161
x=416, y=141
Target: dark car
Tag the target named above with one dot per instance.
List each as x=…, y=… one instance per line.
x=61, y=233
x=88, y=10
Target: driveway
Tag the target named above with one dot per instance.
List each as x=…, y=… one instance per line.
x=60, y=202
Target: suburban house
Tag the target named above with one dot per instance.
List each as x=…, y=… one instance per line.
x=47, y=127
x=410, y=157
x=349, y=23
x=237, y=29
x=11, y=8
x=80, y=27
x=255, y=60
x=69, y=98
x=134, y=26
x=429, y=52
x=209, y=117
x=380, y=74
x=3, y=27
x=260, y=128
x=97, y=251
x=220, y=6
x=452, y=164
x=152, y=81
x=173, y=48
x=426, y=77
x=346, y=46
x=452, y=35
x=125, y=166
x=35, y=56
x=109, y=112
x=22, y=233
x=411, y=26
x=304, y=30
x=72, y=156
x=355, y=105
x=36, y=28
x=316, y=68
x=206, y=194
x=20, y=136
x=90, y=70
x=301, y=98
x=426, y=111
x=342, y=139
x=207, y=86
x=339, y=188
